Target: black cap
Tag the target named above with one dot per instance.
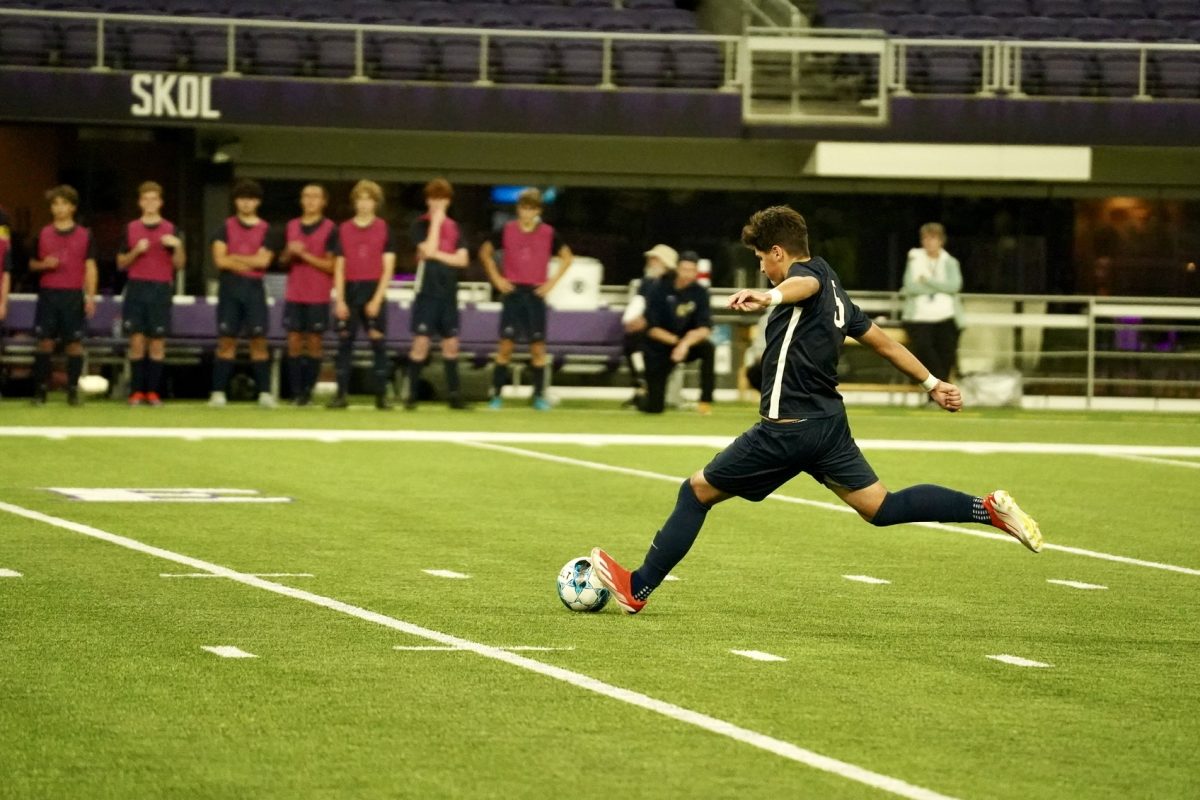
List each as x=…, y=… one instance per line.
x=689, y=255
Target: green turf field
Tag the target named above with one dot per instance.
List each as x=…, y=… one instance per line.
x=106, y=692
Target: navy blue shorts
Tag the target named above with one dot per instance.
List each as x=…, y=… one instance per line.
x=241, y=306
x=305, y=317
x=772, y=453
x=523, y=315
x=435, y=316
x=358, y=294
x=60, y=315
x=147, y=308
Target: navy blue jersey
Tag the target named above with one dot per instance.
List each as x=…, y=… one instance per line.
x=804, y=341
x=677, y=310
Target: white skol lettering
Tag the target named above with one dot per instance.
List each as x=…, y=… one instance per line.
x=144, y=106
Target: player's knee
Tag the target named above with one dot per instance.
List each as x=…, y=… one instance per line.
x=450, y=348
x=158, y=349
x=877, y=516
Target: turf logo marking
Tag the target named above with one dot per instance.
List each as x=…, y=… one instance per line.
x=758, y=655
x=9, y=573
x=114, y=495
x=227, y=651
x=446, y=573
x=1017, y=661
x=1075, y=584
x=865, y=579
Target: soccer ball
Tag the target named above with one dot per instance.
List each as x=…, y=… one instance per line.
x=93, y=384
x=578, y=588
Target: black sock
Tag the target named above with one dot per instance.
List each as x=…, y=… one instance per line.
x=499, y=378
x=383, y=366
x=74, y=370
x=153, y=375
x=222, y=370
x=929, y=503
x=671, y=543
x=137, y=375
x=41, y=370
x=537, y=377
x=262, y=375
x=452, y=382
x=342, y=363
x=296, y=365
x=310, y=370
x=414, y=378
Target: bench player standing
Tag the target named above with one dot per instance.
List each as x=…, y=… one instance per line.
x=528, y=244
x=66, y=262
x=804, y=426
x=242, y=251
x=435, y=310
x=366, y=260
x=151, y=252
x=309, y=242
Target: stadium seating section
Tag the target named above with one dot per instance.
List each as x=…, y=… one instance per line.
x=1045, y=70
x=37, y=41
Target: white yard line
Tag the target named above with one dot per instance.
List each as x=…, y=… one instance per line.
x=758, y=655
x=521, y=648
x=981, y=533
x=865, y=579
x=446, y=573
x=227, y=651
x=9, y=573
x=640, y=440
x=787, y=750
x=1017, y=661
x=1075, y=584
x=254, y=574
x=1166, y=462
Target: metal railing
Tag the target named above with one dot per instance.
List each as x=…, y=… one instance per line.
x=726, y=46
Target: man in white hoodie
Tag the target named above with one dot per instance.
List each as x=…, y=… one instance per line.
x=933, y=312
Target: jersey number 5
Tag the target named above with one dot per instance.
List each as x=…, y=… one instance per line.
x=839, y=314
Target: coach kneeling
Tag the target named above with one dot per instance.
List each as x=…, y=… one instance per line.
x=678, y=322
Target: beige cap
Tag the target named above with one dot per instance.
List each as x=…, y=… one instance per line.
x=665, y=254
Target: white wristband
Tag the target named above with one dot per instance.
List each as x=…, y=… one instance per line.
x=930, y=383
x=776, y=297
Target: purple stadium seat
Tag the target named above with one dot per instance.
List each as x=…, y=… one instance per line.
x=588, y=3
x=1120, y=9
x=549, y=18
x=500, y=16
x=1178, y=73
x=1149, y=30
x=829, y=8
x=370, y=11
x=335, y=54
x=612, y=20
x=951, y=70
x=209, y=49
x=276, y=52
x=1192, y=31
x=639, y=63
x=673, y=20
x=864, y=22
x=1061, y=8
x=1176, y=10
x=947, y=8
x=698, y=65
x=26, y=42
x=921, y=26
x=1093, y=29
x=402, y=56
x=580, y=62
x=151, y=47
x=1065, y=72
x=638, y=5
x=1002, y=8
x=79, y=45
x=1036, y=28
x=257, y=9
x=522, y=60
x=975, y=27
x=459, y=58
x=896, y=8
x=1119, y=73
x=436, y=15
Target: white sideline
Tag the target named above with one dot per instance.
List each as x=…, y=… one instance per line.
x=255, y=574
x=866, y=579
x=227, y=651
x=757, y=655
x=1075, y=584
x=1167, y=462
x=983, y=534
x=446, y=573
x=1017, y=661
x=9, y=573
x=436, y=648
x=597, y=439
x=720, y=727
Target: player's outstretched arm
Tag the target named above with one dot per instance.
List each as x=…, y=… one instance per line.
x=791, y=290
x=943, y=393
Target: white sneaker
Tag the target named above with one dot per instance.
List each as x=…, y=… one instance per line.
x=267, y=400
x=1008, y=517
x=216, y=400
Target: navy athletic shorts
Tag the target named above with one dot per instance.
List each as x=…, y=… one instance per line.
x=358, y=294
x=241, y=306
x=60, y=315
x=147, y=308
x=523, y=315
x=772, y=453
x=435, y=316
x=305, y=317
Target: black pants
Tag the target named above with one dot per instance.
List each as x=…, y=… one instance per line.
x=634, y=343
x=935, y=344
x=658, y=371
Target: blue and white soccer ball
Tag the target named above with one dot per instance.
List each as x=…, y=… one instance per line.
x=578, y=588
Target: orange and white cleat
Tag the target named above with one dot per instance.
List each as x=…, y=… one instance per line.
x=137, y=399
x=152, y=399
x=615, y=578
x=1008, y=517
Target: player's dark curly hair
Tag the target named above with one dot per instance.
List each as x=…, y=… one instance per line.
x=777, y=225
x=247, y=188
x=63, y=192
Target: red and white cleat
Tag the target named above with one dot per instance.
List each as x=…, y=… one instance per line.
x=152, y=399
x=1008, y=517
x=615, y=578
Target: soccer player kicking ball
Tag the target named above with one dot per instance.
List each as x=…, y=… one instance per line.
x=804, y=426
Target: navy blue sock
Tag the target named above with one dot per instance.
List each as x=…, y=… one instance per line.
x=414, y=378
x=537, y=377
x=222, y=370
x=74, y=370
x=345, y=352
x=499, y=378
x=153, y=376
x=671, y=543
x=296, y=366
x=41, y=369
x=137, y=376
x=310, y=367
x=383, y=366
x=452, y=382
x=929, y=503
x=262, y=375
